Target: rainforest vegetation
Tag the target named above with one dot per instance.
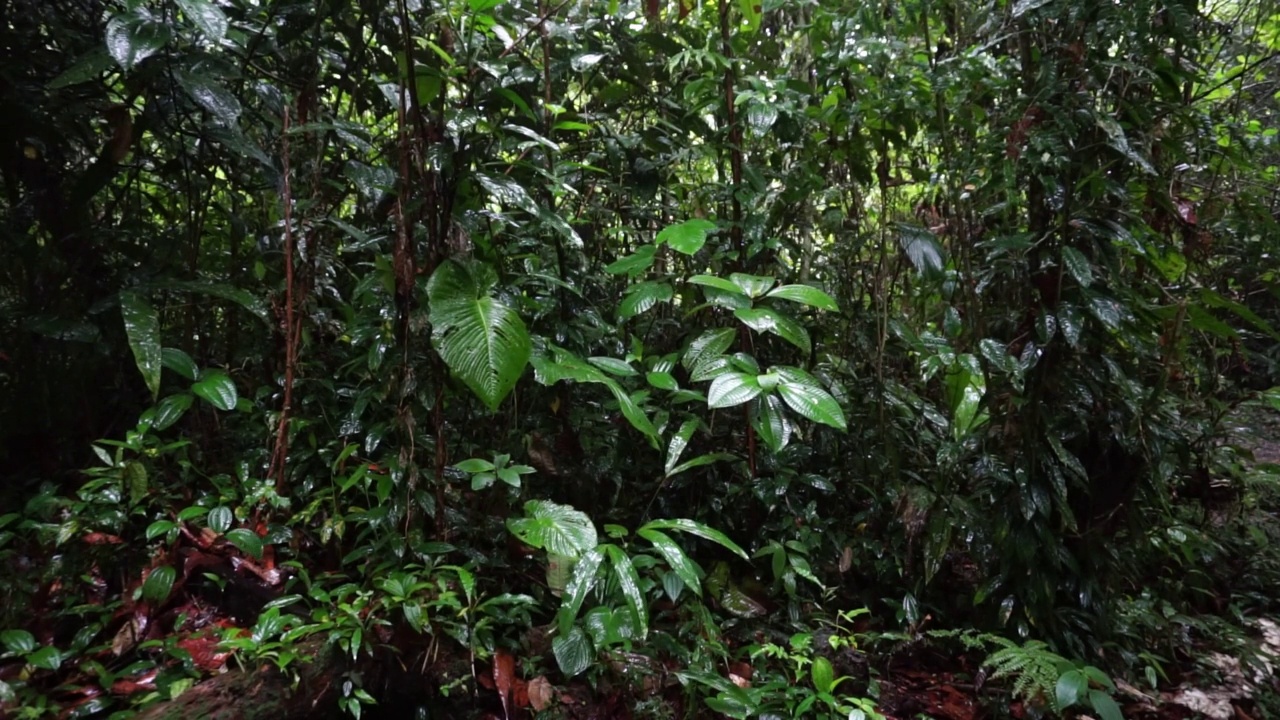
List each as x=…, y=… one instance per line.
x=639, y=358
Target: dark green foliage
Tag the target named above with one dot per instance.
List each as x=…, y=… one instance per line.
x=937, y=309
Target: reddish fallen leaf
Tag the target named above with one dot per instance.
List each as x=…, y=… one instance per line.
x=520, y=694
x=540, y=693
x=136, y=684
x=504, y=675
x=97, y=538
x=205, y=651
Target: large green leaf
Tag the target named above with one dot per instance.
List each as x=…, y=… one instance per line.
x=483, y=341
x=687, y=237
x=135, y=36
x=805, y=295
x=804, y=394
x=643, y=296
x=217, y=389
x=142, y=326
x=709, y=344
x=679, y=442
x=568, y=367
x=732, y=388
x=573, y=652
x=768, y=320
x=556, y=528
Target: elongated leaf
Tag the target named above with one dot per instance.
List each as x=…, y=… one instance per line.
x=717, y=283
x=732, y=388
x=771, y=423
x=1078, y=266
x=679, y=442
x=142, y=326
x=633, y=264
x=805, y=295
x=675, y=556
x=179, y=362
x=557, y=528
x=687, y=237
x=823, y=674
x=922, y=249
x=217, y=389
x=705, y=459
x=585, y=574
x=694, y=527
x=629, y=582
x=613, y=366
x=1105, y=705
x=482, y=341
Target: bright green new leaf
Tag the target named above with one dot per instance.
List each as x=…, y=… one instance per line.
x=805, y=295
x=142, y=326
x=687, y=237
x=643, y=296
x=482, y=341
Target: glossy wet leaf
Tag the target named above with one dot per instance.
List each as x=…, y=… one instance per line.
x=583, y=578
x=702, y=530
x=135, y=36
x=207, y=16
x=675, y=556
x=643, y=296
x=248, y=541
x=557, y=528
x=216, y=388
x=805, y=295
x=573, y=651
x=733, y=388
x=629, y=582
x=483, y=341
x=142, y=326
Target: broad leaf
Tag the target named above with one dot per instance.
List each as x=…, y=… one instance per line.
x=675, y=556
x=142, y=326
x=768, y=320
x=556, y=528
x=732, y=388
x=247, y=541
x=135, y=36
x=573, y=652
x=217, y=389
x=633, y=264
x=709, y=344
x=687, y=237
x=1078, y=266
x=643, y=296
x=207, y=16
x=806, y=396
x=482, y=341
x=158, y=583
